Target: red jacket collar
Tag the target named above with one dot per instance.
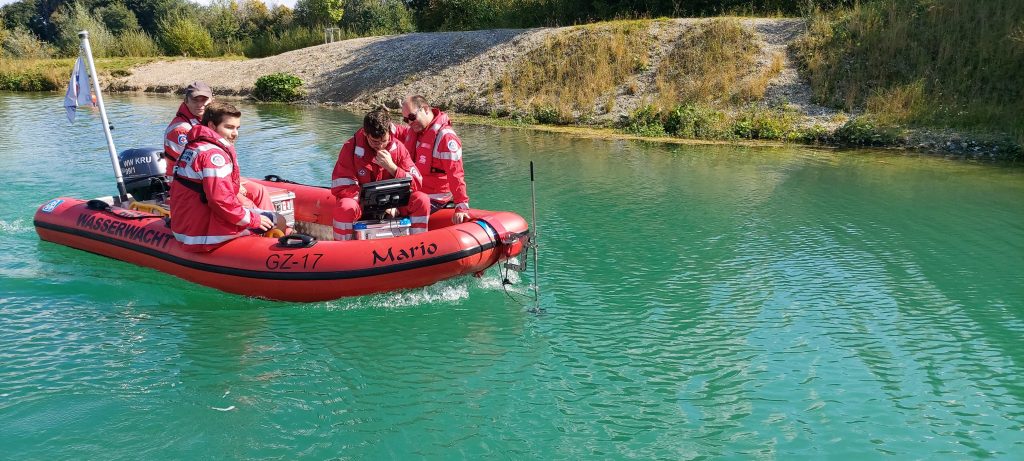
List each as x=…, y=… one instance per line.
x=186, y=114
x=440, y=119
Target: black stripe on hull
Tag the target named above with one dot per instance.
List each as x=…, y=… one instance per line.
x=269, y=275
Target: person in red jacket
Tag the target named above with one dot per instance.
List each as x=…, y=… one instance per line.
x=190, y=112
x=205, y=206
x=437, y=152
x=197, y=96
x=374, y=154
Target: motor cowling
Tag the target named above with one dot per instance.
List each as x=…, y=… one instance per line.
x=144, y=173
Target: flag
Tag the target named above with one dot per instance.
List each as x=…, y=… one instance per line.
x=78, y=90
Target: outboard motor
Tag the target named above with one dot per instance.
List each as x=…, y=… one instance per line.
x=144, y=173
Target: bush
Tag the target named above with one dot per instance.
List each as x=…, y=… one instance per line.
x=137, y=44
x=21, y=44
x=865, y=131
x=646, y=121
x=278, y=87
x=184, y=36
x=815, y=134
x=291, y=39
x=547, y=114
x=26, y=81
x=757, y=123
x=695, y=121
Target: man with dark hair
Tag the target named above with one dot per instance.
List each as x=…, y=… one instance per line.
x=437, y=152
x=198, y=96
x=374, y=154
x=207, y=211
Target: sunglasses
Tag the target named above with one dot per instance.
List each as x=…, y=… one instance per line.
x=409, y=118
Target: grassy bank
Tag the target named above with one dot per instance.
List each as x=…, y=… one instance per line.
x=571, y=75
x=53, y=74
x=922, y=63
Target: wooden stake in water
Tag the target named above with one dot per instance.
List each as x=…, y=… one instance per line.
x=122, y=192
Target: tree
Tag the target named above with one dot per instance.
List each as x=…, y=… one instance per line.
x=377, y=17
x=151, y=12
x=254, y=17
x=118, y=18
x=316, y=13
x=222, y=21
x=183, y=35
x=281, y=18
x=74, y=17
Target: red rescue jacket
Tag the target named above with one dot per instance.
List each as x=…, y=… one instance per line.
x=437, y=152
x=356, y=166
x=176, y=135
x=204, y=194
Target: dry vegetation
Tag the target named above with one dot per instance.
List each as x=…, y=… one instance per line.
x=712, y=63
x=570, y=71
x=940, y=63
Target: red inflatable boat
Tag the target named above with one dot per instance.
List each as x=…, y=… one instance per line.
x=295, y=268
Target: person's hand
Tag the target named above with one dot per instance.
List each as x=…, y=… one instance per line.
x=460, y=217
x=242, y=191
x=391, y=212
x=384, y=159
x=265, y=223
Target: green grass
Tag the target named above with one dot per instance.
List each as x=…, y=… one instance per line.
x=926, y=63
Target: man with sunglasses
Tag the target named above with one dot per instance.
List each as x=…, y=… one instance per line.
x=374, y=154
x=437, y=152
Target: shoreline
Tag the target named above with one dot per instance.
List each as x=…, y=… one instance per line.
x=466, y=79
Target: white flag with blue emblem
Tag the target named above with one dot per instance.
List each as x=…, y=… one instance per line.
x=78, y=90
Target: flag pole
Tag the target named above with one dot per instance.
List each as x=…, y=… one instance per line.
x=122, y=192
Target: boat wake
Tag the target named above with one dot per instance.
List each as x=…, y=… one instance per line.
x=18, y=226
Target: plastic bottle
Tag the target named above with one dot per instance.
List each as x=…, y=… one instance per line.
x=359, y=229
x=404, y=226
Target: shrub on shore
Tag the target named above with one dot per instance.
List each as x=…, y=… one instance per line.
x=278, y=87
x=700, y=121
x=867, y=131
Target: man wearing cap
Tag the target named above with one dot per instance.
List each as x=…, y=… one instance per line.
x=197, y=96
x=437, y=152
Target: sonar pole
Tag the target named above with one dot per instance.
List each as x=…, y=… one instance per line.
x=121, y=191
x=533, y=242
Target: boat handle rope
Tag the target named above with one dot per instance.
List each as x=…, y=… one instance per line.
x=276, y=178
x=297, y=241
x=100, y=205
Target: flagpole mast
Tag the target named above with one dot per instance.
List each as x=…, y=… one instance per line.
x=122, y=192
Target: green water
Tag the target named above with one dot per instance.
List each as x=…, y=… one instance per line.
x=702, y=303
